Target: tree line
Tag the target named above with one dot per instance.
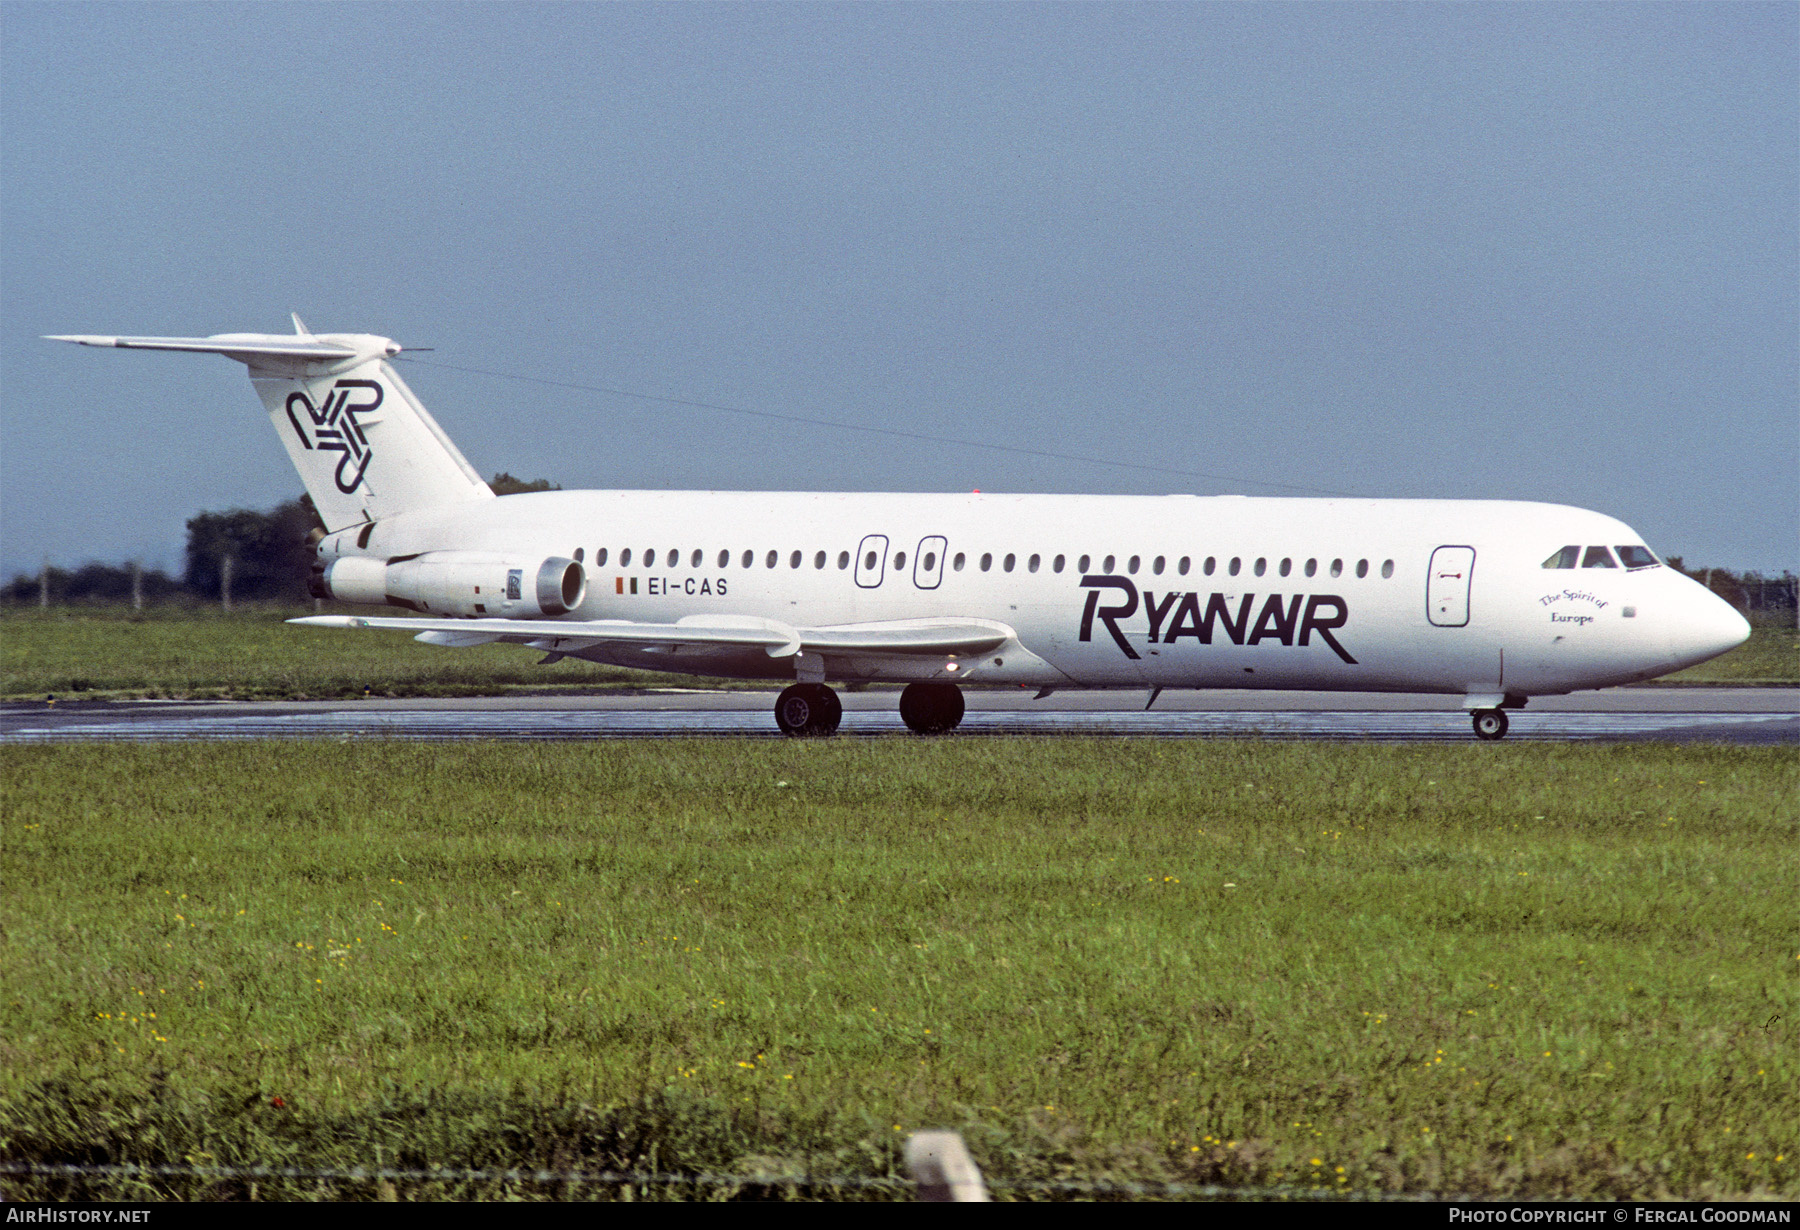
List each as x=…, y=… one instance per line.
x=247, y=555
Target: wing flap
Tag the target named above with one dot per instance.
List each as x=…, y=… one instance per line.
x=907, y=636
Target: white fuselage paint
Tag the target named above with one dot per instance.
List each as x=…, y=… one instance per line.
x=1526, y=630
x=1427, y=595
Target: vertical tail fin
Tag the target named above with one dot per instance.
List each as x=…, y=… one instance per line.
x=364, y=446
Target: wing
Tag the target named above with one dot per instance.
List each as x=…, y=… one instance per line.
x=778, y=640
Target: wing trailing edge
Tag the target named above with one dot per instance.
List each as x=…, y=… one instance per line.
x=778, y=640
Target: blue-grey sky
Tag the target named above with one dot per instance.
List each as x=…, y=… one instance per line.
x=1541, y=252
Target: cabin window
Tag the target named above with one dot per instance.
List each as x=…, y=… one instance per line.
x=987, y=560
x=794, y=560
x=1056, y=565
x=843, y=560
x=625, y=558
x=870, y=560
x=1132, y=566
x=957, y=563
x=1337, y=567
x=1387, y=569
x=1156, y=565
x=1236, y=566
x=774, y=557
x=749, y=558
x=1598, y=557
x=1031, y=565
x=1287, y=566
x=899, y=559
x=1210, y=566
x=1262, y=566
x=600, y=557
x=1312, y=567
x=819, y=560
x=1564, y=558
x=674, y=558
x=931, y=561
x=1081, y=565
x=1637, y=557
x=1108, y=566
x=1362, y=569
x=1007, y=564
x=578, y=556
x=724, y=559
x=1182, y=567
x=650, y=558
x=698, y=557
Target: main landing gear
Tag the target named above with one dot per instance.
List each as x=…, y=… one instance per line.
x=812, y=710
x=808, y=710
x=1489, y=723
x=931, y=708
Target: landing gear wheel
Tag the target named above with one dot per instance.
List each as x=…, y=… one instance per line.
x=808, y=710
x=1489, y=723
x=931, y=708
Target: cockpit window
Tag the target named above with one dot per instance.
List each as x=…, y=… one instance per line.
x=1564, y=558
x=1598, y=557
x=1638, y=557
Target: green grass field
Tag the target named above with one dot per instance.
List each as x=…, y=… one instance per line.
x=1528, y=970
x=252, y=654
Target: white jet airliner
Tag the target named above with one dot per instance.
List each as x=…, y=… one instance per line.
x=1494, y=601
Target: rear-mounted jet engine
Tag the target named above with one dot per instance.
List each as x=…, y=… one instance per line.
x=458, y=583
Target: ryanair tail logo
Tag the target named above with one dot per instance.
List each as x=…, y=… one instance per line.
x=1289, y=620
x=335, y=429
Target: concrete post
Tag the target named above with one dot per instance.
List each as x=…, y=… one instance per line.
x=942, y=1169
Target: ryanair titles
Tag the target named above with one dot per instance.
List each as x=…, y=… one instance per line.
x=1288, y=619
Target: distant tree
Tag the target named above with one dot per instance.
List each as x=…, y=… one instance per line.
x=270, y=551
x=1747, y=591
x=505, y=484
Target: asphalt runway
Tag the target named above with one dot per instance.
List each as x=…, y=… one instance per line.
x=1673, y=714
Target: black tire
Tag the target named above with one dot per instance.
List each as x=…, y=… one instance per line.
x=931, y=708
x=1489, y=723
x=831, y=710
x=808, y=710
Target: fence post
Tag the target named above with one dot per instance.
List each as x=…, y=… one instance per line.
x=942, y=1169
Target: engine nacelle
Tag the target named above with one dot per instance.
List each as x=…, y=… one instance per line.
x=459, y=583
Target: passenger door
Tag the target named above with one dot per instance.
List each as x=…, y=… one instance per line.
x=1447, y=584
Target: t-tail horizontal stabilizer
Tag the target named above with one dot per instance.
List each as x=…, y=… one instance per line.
x=363, y=444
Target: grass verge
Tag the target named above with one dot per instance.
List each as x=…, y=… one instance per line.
x=1533, y=971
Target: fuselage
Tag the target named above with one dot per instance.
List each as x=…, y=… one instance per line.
x=1494, y=600
x=1448, y=596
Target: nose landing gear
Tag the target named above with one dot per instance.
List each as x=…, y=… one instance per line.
x=808, y=710
x=1489, y=723
x=931, y=708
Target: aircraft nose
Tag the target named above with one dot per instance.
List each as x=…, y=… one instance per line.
x=1709, y=626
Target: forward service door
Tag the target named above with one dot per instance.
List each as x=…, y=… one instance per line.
x=1447, y=586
